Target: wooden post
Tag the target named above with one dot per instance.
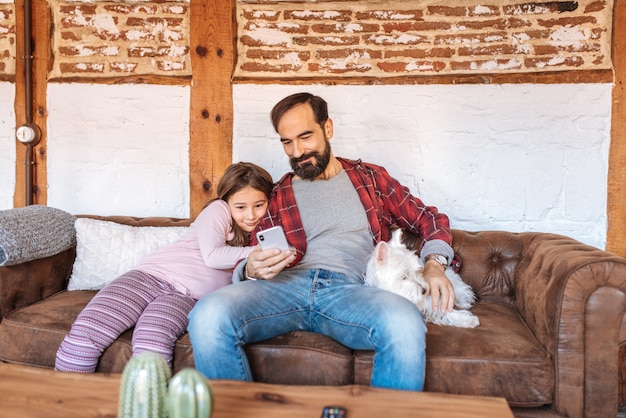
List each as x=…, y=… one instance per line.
x=616, y=233
x=40, y=39
x=211, y=113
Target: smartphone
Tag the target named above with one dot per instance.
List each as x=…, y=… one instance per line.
x=273, y=237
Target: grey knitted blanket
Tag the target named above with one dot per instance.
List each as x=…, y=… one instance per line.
x=34, y=232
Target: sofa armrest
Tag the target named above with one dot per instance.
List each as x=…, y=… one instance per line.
x=573, y=297
x=26, y=283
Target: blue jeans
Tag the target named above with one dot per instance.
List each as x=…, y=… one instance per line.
x=358, y=316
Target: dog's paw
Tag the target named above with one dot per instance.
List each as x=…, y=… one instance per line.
x=461, y=319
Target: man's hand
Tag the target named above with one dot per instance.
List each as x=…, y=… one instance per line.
x=440, y=287
x=265, y=264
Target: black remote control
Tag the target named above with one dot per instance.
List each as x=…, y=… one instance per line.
x=334, y=412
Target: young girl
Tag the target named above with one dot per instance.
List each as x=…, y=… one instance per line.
x=156, y=295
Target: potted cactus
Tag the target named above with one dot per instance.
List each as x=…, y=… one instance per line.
x=143, y=391
x=189, y=395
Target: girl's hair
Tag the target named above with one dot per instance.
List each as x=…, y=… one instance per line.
x=237, y=177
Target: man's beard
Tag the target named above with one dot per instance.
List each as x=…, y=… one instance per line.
x=308, y=170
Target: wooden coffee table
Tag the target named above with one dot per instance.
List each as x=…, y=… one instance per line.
x=33, y=392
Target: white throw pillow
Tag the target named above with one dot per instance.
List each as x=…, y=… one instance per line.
x=105, y=250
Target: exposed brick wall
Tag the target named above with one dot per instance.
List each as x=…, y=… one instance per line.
x=329, y=38
x=111, y=39
x=7, y=39
x=383, y=38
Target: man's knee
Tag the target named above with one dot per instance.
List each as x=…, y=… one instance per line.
x=207, y=314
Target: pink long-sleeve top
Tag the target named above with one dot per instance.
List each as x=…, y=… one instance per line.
x=200, y=261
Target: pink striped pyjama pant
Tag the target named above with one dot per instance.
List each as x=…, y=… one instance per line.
x=154, y=307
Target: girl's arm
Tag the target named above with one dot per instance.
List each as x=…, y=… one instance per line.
x=213, y=229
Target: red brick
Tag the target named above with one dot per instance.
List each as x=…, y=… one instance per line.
x=137, y=35
x=555, y=62
x=541, y=8
x=84, y=9
x=292, y=28
x=469, y=38
x=67, y=35
x=149, y=51
x=276, y=54
x=537, y=34
x=178, y=9
x=416, y=26
x=264, y=67
x=400, y=39
x=421, y=53
x=595, y=6
x=332, y=68
x=326, y=40
x=323, y=15
x=487, y=65
x=341, y=28
x=6, y=13
x=555, y=49
x=567, y=21
x=268, y=15
x=447, y=11
x=155, y=21
x=483, y=10
x=420, y=66
x=501, y=24
x=85, y=51
x=498, y=49
x=252, y=42
x=123, y=67
x=387, y=15
x=171, y=65
x=347, y=53
x=85, y=67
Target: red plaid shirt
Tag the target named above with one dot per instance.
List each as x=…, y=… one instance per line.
x=385, y=200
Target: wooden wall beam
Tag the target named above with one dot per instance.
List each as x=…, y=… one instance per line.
x=41, y=58
x=616, y=233
x=211, y=112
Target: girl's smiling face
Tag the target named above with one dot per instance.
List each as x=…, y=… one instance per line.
x=247, y=207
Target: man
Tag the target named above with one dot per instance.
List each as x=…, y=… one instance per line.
x=333, y=211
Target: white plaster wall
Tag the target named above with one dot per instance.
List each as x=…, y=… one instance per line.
x=502, y=157
x=492, y=157
x=7, y=144
x=119, y=149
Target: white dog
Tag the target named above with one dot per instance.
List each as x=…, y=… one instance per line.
x=395, y=268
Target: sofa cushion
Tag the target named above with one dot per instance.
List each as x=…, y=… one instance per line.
x=501, y=358
x=301, y=358
x=105, y=250
x=31, y=336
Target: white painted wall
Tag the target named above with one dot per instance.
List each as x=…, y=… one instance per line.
x=7, y=144
x=500, y=157
x=120, y=149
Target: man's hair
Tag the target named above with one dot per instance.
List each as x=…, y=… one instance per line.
x=319, y=106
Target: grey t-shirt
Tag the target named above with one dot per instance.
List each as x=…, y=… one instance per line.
x=336, y=226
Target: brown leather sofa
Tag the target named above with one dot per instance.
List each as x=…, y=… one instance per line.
x=551, y=337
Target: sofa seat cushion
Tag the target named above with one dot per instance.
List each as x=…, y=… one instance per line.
x=32, y=335
x=501, y=357
x=301, y=358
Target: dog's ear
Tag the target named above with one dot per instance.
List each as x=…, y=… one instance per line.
x=396, y=238
x=382, y=252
